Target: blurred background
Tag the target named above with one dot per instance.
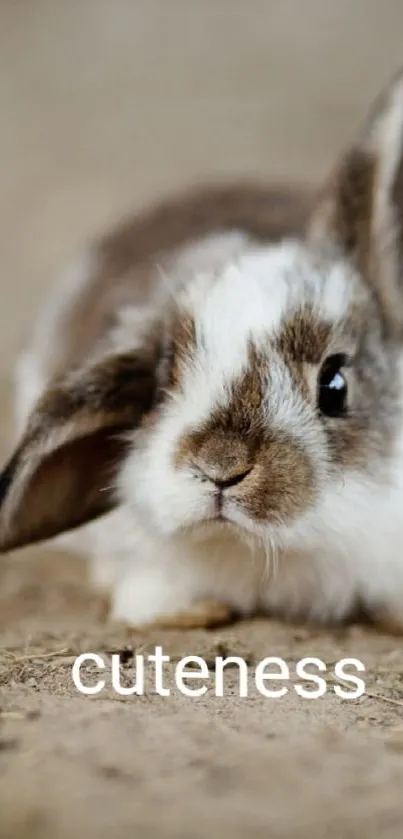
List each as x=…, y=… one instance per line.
x=107, y=104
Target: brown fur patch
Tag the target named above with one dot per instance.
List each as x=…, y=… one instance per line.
x=303, y=338
x=344, y=207
x=369, y=232
x=367, y=427
x=353, y=204
x=278, y=478
x=62, y=474
x=128, y=254
x=183, y=342
x=120, y=385
x=266, y=212
x=397, y=204
x=216, y=452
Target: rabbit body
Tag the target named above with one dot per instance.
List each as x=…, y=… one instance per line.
x=216, y=388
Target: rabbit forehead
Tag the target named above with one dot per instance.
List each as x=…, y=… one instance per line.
x=252, y=298
x=282, y=301
x=242, y=334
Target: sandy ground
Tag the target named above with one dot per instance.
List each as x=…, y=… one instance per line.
x=105, y=105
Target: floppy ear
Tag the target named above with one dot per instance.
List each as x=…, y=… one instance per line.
x=361, y=208
x=62, y=474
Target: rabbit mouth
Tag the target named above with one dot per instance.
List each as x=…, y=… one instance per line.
x=211, y=525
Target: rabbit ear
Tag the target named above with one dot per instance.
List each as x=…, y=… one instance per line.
x=62, y=474
x=361, y=208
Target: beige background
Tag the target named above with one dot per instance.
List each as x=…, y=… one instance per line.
x=105, y=104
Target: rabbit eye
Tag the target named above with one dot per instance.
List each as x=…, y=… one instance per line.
x=332, y=387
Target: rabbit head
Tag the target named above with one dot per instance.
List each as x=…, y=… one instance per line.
x=247, y=395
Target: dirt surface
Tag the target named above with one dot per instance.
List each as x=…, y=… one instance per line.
x=106, y=105
x=176, y=766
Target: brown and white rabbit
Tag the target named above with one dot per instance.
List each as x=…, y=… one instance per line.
x=221, y=383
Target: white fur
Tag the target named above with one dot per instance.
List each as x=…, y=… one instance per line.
x=316, y=567
x=32, y=369
x=316, y=570
x=248, y=301
x=259, y=290
x=347, y=546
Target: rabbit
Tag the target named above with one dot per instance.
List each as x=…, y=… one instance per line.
x=211, y=406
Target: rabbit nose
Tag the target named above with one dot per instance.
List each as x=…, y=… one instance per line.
x=232, y=480
x=224, y=478
x=222, y=457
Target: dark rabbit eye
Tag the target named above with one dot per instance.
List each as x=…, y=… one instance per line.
x=332, y=387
